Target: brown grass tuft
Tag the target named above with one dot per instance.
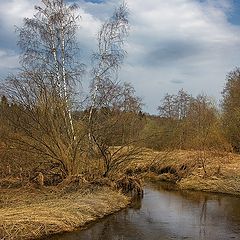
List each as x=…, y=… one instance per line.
x=130, y=185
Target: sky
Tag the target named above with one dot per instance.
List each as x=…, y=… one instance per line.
x=172, y=45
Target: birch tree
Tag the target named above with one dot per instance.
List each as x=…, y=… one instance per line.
x=42, y=91
x=108, y=59
x=48, y=44
x=114, y=108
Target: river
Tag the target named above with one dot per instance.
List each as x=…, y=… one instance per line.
x=166, y=213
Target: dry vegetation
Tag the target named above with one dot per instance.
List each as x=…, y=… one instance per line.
x=211, y=171
x=63, y=157
x=30, y=213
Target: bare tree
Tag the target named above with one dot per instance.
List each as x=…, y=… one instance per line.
x=114, y=127
x=40, y=123
x=48, y=45
x=231, y=108
x=113, y=106
x=42, y=91
x=167, y=107
x=175, y=106
x=108, y=59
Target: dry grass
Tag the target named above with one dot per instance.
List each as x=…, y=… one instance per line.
x=212, y=184
x=222, y=175
x=157, y=164
x=28, y=214
x=212, y=171
x=130, y=186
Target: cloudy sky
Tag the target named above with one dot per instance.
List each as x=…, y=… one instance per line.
x=173, y=44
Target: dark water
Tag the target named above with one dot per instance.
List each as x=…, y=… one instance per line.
x=168, y=214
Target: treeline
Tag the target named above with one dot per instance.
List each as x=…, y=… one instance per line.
x=187, y=122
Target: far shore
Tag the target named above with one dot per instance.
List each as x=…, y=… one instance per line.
x=209, y=171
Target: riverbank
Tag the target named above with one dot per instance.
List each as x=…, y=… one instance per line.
x=209, y=171
x=165, y=213
x=31, y=213
x=28, y=212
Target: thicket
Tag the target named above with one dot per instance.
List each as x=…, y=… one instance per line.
x=48, y=127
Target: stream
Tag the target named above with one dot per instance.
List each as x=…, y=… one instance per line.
x=166, y=213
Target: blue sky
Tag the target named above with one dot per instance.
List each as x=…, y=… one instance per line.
x=234, y=16
x=173, y=44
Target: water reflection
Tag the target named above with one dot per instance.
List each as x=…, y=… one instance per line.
x=165, y=213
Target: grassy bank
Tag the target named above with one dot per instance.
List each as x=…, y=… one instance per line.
x=32, y=213
x=221, y=173
x=28, y=212
x=209, y=171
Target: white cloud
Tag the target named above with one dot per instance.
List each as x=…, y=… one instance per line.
x=15, y=10
x=8, y=62
x=8, y=59
x=172, y=44
x=12, y=13
x=87, y=32
x=180, y=39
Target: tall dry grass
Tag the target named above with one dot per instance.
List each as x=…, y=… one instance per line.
x=33, y=214
x=212, y=171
